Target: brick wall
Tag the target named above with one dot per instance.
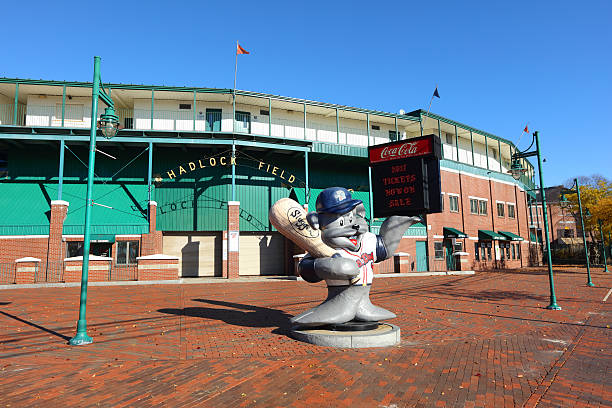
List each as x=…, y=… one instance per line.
x=233, y=228
x=158, y=267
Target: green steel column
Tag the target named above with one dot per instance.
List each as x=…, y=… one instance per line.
x=603, y=247
x=370, y=173
x=472, y=144
x=149, y=177
x=233, y=171
x=586, y=250
x=63, y=105
x=194, y=111
x=397, y=137
x=81, y=335
x=269, y=116
x=487, y=151
x=61, y=170
x=337, y=126
x=304, y=121
x=306, y=188
x=421, y=122
x=152, y=106
x=499, y=154
x=553, y=300
x=15, y=104
x=457, y=142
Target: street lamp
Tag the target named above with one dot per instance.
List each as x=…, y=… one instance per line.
x=109, y=125
x=603, y=246
x=517, y=170
x=586, y=251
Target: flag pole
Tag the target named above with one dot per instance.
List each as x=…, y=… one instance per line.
x=236, y=67
x=430, y=101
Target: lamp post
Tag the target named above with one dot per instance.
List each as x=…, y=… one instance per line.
x=108, y=125
x=517, y=170
x=586, y=251
x=603, y=246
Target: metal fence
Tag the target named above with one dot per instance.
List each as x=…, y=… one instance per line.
x=123, y=272
x=50, y=272
x=7, y=272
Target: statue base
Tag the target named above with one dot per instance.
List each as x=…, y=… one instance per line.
x=380, y=335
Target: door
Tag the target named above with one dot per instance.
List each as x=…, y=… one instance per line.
x=450, y=258
x=243, y=122
x=261, y=253
x=213, y=120
x=199, y=253
x=421, y=256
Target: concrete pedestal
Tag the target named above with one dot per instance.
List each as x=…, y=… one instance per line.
x=384, y=335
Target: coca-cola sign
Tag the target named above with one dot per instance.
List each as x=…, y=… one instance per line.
x=422, y=146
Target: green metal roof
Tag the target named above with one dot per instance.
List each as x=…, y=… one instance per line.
x=511, y=236
x=486, y=234
x=453, y=233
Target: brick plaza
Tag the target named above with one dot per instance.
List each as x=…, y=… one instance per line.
x=467, y=341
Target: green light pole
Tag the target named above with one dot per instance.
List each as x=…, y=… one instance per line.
x=108, y=125
x=603, y=246
x=586, y=251
x=516, y=169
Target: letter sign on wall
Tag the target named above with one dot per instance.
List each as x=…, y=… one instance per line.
x=406, y=176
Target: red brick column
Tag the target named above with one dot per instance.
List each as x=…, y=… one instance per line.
x=233, y=238
x=99, y=269
x=25, y=270
x=158, y=267
x=152, y=243
x=59, y=209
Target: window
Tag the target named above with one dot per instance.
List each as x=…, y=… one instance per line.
x=458, y=247
x=513, y=251
x=375, y=127
x=473, y=206
x=482, y=207
x=565, y=233
x=476, y=254
x=438, y=250
x=489, y=251
x=453, y=203
x=500, y=209
x=75, y=248
x=3, y=165
x=508, y=251
x=518, y=251
x=442, y=202
x=264, y=112
x=127, y=252
x=511, y=210
x=483, y=252
x=184, y=106
x=393, y=135
x=501, y=250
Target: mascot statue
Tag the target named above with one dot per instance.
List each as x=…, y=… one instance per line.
x=348, y=273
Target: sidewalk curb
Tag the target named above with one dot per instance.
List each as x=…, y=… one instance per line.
x=195, y=281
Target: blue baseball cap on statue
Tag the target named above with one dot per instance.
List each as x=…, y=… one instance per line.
x=336, y=200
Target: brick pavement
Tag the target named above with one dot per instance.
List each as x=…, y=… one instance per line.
x=467, y=341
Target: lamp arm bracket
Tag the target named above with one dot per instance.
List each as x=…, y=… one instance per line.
x=106, y=99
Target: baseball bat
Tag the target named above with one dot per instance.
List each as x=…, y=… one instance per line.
x=289, y=218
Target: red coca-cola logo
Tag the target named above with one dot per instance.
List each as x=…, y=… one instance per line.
x=399, y=151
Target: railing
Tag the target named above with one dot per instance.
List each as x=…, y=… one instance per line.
x=7, y=272
x=123, y=272
x=50, y=272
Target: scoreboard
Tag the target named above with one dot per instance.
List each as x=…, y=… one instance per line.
x=406, y=176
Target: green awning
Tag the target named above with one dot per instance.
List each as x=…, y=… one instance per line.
x=510, y=236
x=486, y=234
x=453, y=233
x=102, y=238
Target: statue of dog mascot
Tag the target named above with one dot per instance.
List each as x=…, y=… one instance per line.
x=348, y=273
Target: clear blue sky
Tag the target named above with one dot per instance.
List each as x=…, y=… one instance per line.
x=497, y=66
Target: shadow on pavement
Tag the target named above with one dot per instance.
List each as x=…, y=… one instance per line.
x=236, y=314
x=53, y=332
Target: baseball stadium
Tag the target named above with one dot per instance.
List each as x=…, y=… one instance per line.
x=192, y=173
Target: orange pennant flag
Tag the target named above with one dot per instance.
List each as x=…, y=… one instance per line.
x=240, y=50
x=526, y=130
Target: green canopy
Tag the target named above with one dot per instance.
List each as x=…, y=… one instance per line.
x=486, y=234
x=453, y=233
x=510, y=236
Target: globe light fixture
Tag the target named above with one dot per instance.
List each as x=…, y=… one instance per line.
x=109, y=123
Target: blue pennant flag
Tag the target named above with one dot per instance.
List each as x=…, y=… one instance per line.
x=436, y=94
